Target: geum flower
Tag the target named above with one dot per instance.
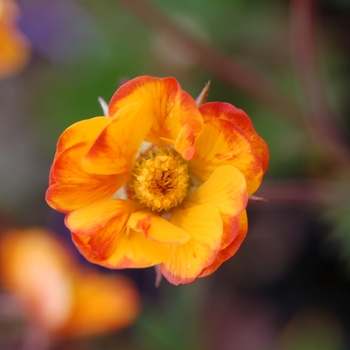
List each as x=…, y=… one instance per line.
x=56, y=294
x=14, y=47
x=160, y=181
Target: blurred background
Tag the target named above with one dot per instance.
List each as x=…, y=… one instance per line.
x=287, y=64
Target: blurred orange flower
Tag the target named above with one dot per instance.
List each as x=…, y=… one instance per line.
x=57, y=295
x=160, y=181
x=15, y=49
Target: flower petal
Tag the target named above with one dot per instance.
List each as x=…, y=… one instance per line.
x=221, y=143
x=226, y=111
x=103, y=303
x=102, y=222
x=134, y=250
x=204, y=224
x=230, y=229
x=158, y=229
x=171, y=107
x=184, y=142
x=101, y=234
x=15, y=48
x=71, y=187
x=225, y=189
x=82, y=131
x=115, y=148
x=230, y=250
x=36, y=267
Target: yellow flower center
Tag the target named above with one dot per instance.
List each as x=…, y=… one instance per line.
x=161, y=180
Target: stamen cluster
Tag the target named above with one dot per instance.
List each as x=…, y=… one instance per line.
x=161, y=180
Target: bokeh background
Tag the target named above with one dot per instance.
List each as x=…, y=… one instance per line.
x=287, y=64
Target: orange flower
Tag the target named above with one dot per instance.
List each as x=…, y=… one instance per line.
x=160, y=181
x=56, y=294
x=15, y=50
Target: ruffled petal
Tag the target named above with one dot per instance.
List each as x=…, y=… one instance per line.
x=102, y=235
x=114, y=150
x=204, y=224
x=102, y=223
x=72, y=188
x=223, y=143
x=82, y=131
x=184, y=142
x=171, y=108
x=230, y=229
x=158, y=229
x=83, y=245
x=225, y=189
x=230, y=250
x=134, y=250
x=226, y=111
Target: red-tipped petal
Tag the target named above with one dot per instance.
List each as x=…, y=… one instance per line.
x=231, y=249
x=226, y=111
x=72, y=188
x=158, y=229
x=102, y=223
x=114, y=150
x=171, y=107
x=204, y=224
x=223, y=143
